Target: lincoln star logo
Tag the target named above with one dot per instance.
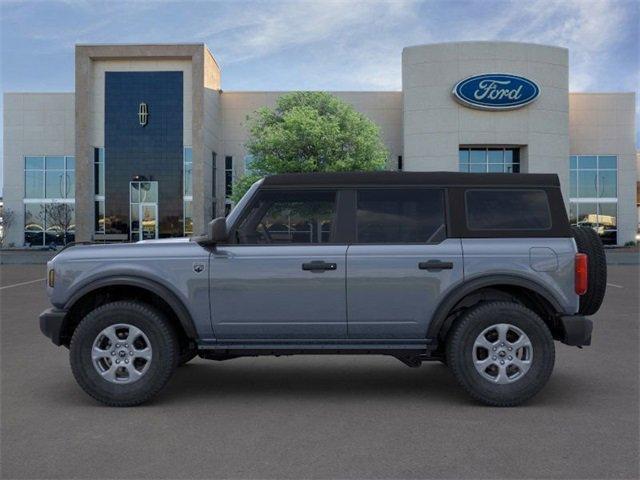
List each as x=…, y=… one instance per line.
x=496, y=91
x=143, y=114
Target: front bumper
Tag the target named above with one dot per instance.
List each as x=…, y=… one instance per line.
x=51, y=324
x=576, y=330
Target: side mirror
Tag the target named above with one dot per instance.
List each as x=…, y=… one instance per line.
x=218, y=230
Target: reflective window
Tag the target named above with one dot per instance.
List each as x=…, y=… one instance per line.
x=99, y=216
x=49, y=177
x=400, y=216
x=143, y=210
x=228, y=175
x=188, y=218
x=49, y=223
x=34, y=163
x=34, y=184
x=98, y=171
x=188, y=172
x=489, y=160
x=54, y=163
x=507, y=210
x=49, y=191
x=34, y=217
x=54, y=184
x=214, y=159
x=593, y=194
x=289, y=217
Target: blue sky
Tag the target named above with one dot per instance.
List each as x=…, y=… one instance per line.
x=324, y=45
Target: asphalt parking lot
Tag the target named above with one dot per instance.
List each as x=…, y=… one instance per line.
x=319, y=417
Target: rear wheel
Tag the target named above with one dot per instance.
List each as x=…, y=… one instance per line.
x=501, y=353
x=123, y=353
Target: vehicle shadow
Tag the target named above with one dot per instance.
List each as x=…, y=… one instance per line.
x=309, y=379
x=312, y=379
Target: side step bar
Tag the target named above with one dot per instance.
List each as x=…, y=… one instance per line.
x=411, y=354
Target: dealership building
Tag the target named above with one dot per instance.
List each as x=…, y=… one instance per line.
x=148, y=145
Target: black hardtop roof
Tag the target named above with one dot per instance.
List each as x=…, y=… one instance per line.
x=415, y=178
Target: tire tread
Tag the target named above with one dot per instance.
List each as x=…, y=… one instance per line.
x=165, y=330
x=455, y=341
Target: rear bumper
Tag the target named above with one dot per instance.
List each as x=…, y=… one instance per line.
x=576, y=330
x=51, y=324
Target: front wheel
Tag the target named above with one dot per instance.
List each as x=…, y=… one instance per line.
x=123, y=353
x=501, y=353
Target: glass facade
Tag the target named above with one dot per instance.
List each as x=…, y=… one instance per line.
x=49, y=200
x=98, y=177
x=593, y=194
x=489, y=160
x=144, y=148
x=143, y=210
x=214, y=158
x=187, y=194
x=228, y=175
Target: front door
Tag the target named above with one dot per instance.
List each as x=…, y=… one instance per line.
x=143, y=211
x=283, y=274
x=400, y=264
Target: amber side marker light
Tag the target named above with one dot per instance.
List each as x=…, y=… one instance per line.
x=52, y=277
x=582, y=270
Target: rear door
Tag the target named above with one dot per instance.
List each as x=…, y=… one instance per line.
x=284, y=276
x=400, y=263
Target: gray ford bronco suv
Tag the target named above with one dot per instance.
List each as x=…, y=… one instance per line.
x=479, y=271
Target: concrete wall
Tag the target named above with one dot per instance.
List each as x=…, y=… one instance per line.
x=91, y=62
x=34, y=124
x=604, y=124
x=435, y=125
x=212, y=143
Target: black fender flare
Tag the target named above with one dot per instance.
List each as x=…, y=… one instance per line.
x=458, y=293
x=178, y=307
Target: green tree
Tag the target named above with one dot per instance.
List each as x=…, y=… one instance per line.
x=310, y=132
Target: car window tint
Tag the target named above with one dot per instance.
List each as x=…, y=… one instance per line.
x=289, y=217
x=507, y=210
x=400, y=216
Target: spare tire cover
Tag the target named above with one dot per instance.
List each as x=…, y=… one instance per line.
x=589, y=243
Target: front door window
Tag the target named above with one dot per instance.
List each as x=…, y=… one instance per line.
x=143, y=219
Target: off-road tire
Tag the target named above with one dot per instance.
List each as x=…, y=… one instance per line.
x=161, y=335
x=459, y=353
x=589, y=243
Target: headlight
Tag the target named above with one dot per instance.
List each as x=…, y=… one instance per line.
x=638, y=237
x=51, y=277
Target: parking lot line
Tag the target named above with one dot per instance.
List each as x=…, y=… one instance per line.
x=22, y=283
x=614, y=285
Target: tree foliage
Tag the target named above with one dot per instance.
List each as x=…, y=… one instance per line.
x=310, y=132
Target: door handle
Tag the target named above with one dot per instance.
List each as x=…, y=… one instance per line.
x=435, y=265
x=319, y=266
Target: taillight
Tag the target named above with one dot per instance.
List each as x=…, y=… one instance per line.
x=581, y=282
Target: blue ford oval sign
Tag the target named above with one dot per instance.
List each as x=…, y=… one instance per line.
x=496, y=91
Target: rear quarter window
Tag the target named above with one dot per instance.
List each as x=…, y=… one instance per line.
x=507, y=209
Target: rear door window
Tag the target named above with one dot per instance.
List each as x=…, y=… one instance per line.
x=507, y=210
x=408, y=215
